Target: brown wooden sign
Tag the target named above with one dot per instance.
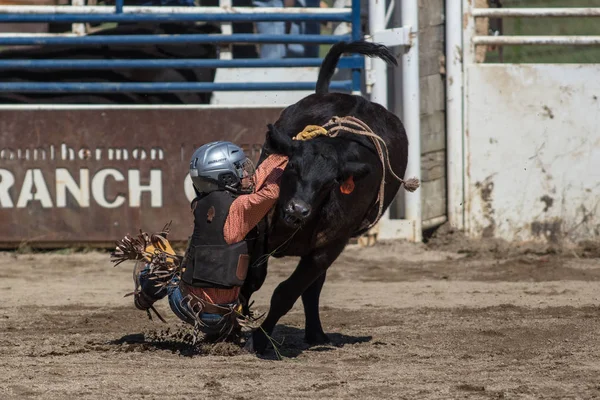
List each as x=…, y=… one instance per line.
x=88, y=177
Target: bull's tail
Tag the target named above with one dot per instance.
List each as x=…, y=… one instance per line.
x=361, y=47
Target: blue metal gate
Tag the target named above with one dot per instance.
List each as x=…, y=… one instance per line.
x=157, y=14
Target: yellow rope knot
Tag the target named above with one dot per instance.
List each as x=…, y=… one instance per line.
x=311, y=132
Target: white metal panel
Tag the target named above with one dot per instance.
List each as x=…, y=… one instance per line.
x=533, y=151
x=276, y=97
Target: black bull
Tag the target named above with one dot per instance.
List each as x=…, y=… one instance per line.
x=311, y=210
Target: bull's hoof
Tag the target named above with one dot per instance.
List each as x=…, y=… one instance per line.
x=257, y=343
x=249, y=346
x=316, y=338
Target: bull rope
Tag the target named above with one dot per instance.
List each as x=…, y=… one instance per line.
x=358, y=127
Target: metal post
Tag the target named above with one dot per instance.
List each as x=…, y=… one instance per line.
x=377, y=85
x=379, y=90
x=454, y=120
x=78, y=29
x=536, y=12
x=412, y=112
x=225, y=52
x=376, y=70
x=467, y=58
x=356, y=35
x=578, y=40
x=119, y=6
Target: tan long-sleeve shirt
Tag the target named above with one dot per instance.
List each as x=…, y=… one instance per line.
x=246, y=211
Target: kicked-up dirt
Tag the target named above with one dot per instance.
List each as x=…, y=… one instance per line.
x=437, y=321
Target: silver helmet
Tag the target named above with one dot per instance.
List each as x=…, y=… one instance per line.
x=221, y=165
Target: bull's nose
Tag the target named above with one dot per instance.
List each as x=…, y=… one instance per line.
x=298, y=209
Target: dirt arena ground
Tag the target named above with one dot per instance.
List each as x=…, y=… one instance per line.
x=444, y=320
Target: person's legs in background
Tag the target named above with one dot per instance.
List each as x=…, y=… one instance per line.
x=276, y=50
x=312, y=28
x=296, y=50
x=172, y=3
x=299, y=50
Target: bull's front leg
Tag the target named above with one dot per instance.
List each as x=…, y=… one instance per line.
x=313, y=331
x=309, y=269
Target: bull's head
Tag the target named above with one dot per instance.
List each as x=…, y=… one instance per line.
x=315, y=168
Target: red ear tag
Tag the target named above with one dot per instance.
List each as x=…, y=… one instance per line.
x=348, y=186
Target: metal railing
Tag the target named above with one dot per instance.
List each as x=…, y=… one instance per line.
x=222, y=15
x=566, y=40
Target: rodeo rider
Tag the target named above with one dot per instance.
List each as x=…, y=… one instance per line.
x=231, y=199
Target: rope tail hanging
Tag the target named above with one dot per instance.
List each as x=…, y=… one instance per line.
x=358, y=127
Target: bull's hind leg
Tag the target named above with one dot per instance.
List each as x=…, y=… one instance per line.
x=313, y=331
x=309, y=269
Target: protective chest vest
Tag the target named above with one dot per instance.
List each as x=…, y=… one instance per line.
x=209, y=260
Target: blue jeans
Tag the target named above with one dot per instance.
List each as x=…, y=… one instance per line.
x=175, y=298
x=271, y=28
x=299, y=50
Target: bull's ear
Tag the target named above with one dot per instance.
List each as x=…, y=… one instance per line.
x=355, y=169
x=278, y=141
